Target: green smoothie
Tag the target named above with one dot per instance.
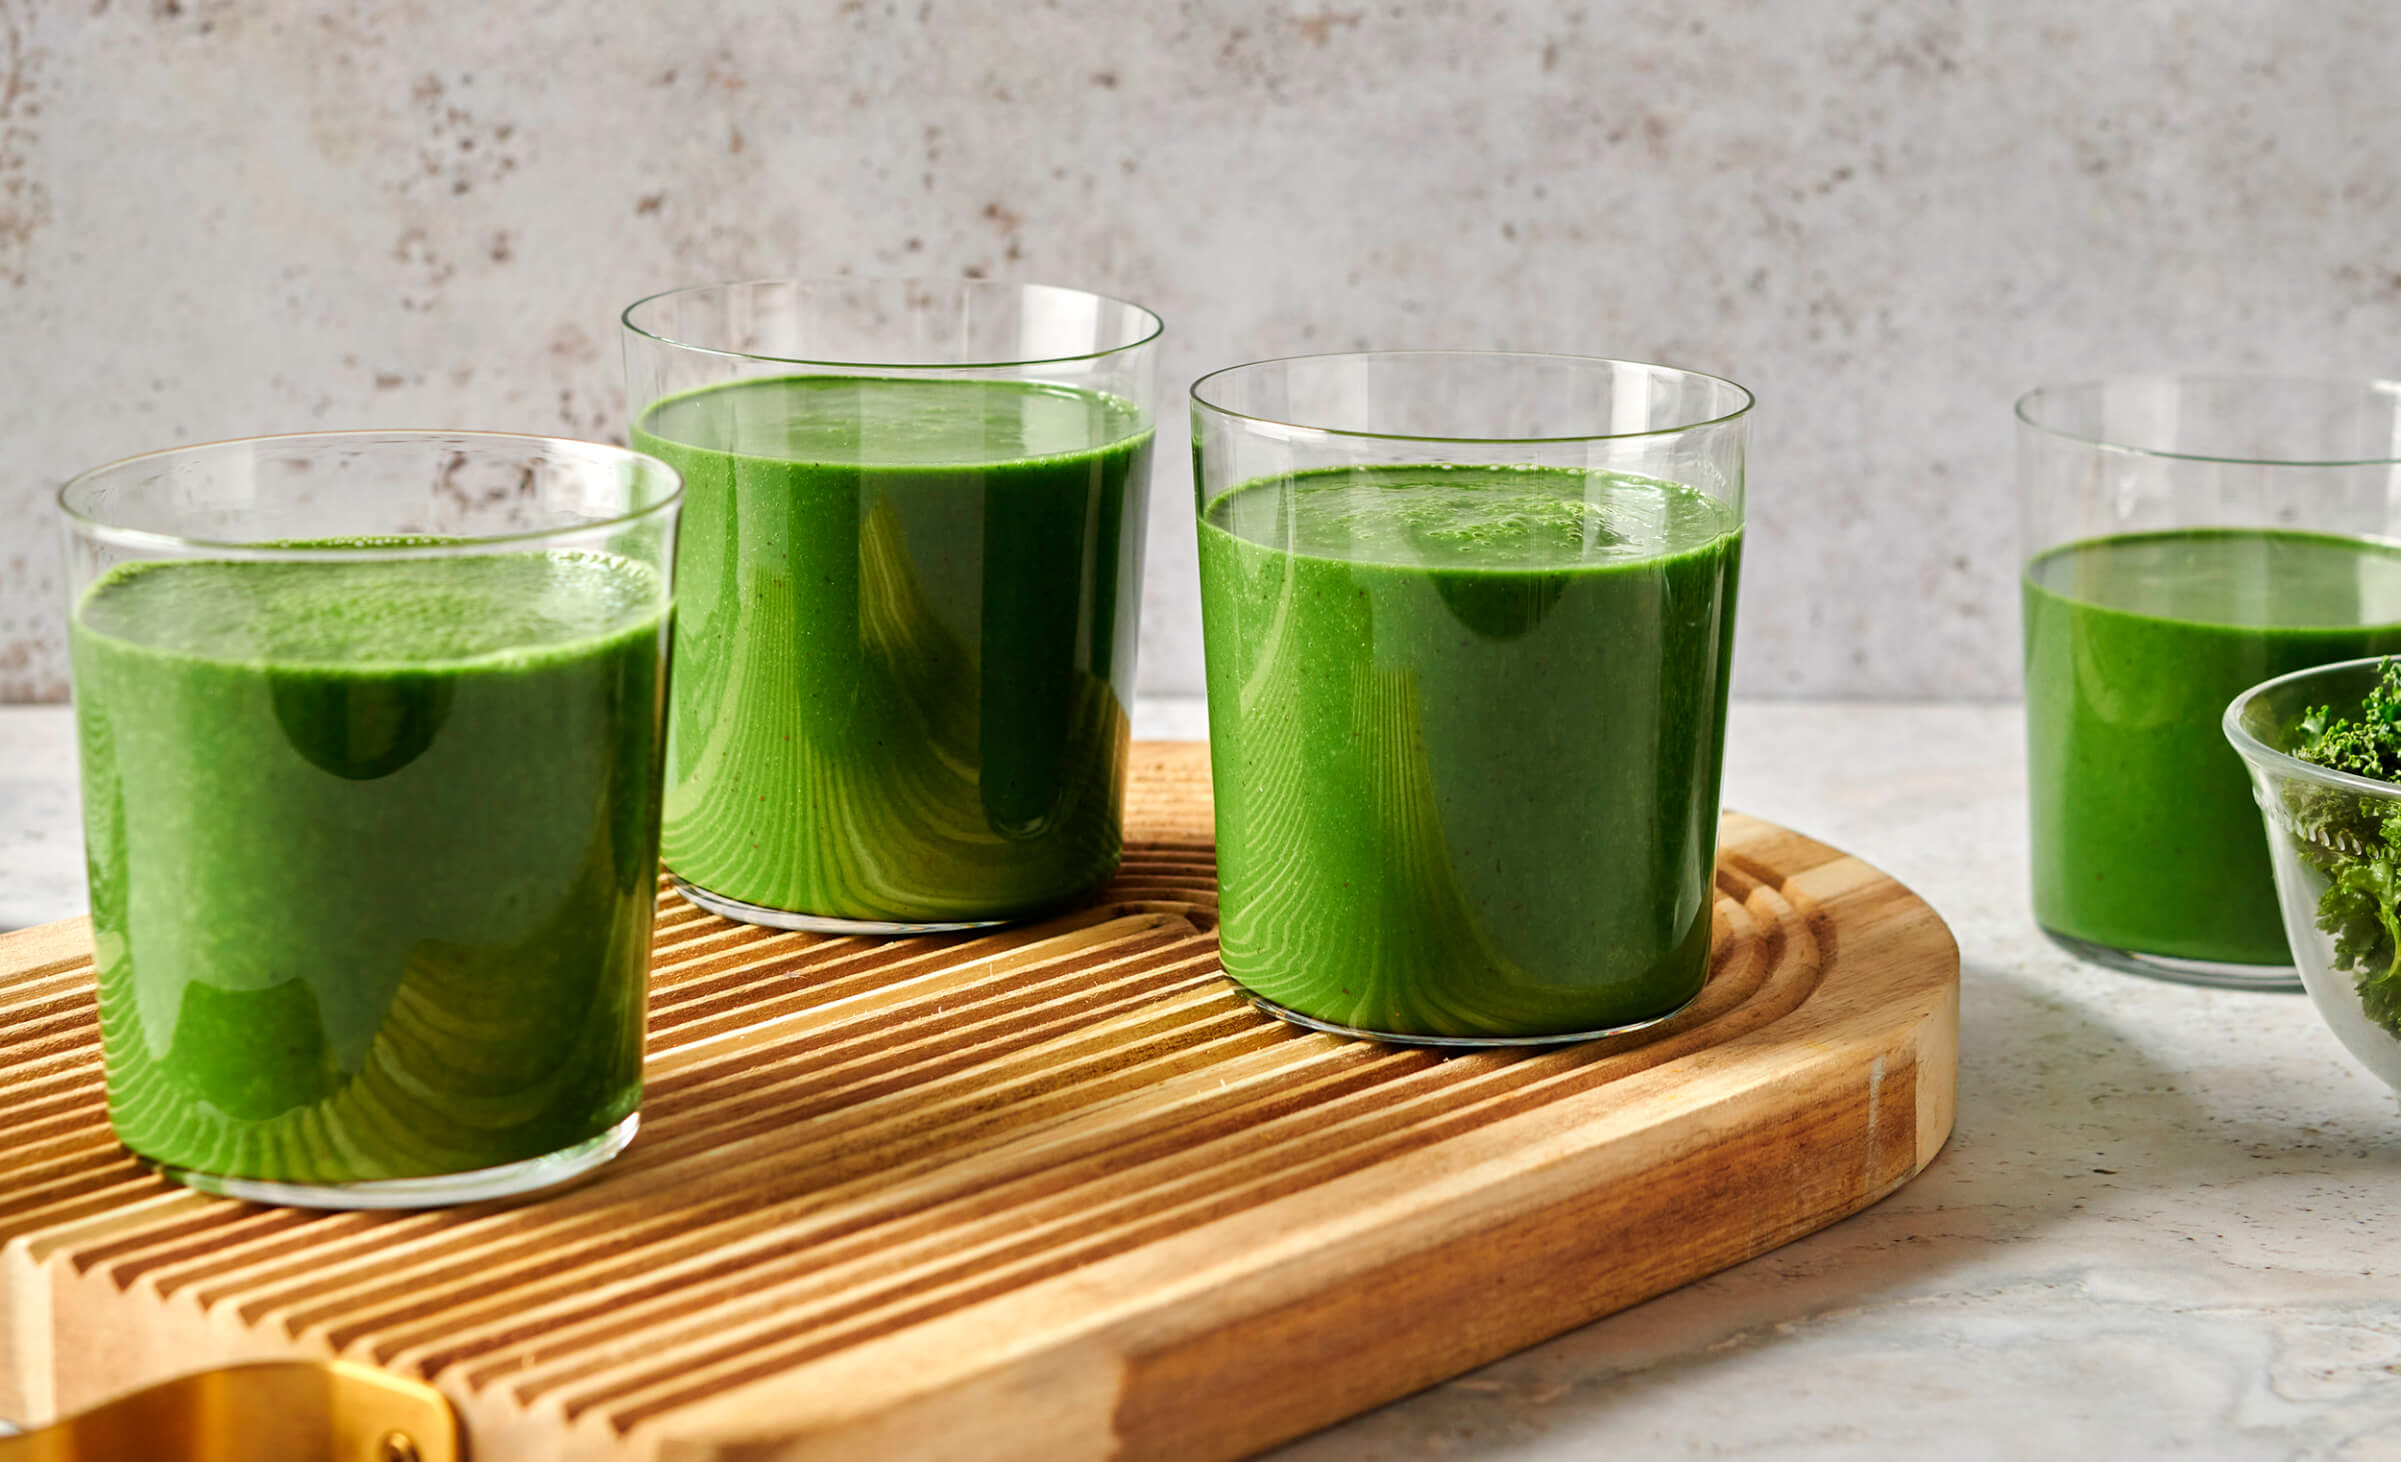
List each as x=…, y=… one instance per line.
x=373, y=849
x=2145, y=837
x=904, y=642
x=1466, y=726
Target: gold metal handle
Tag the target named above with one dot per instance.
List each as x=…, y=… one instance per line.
x=268, y=1411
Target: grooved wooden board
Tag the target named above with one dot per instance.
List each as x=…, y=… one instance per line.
x=1055, y=1192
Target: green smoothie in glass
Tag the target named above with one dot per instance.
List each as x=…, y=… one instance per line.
x=372, y=846
x=2145, y=836
x=1467, y=724
x=904, y=643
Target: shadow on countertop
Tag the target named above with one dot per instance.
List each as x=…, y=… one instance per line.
x=2129, y=1156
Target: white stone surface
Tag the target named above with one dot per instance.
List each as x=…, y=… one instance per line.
x=2163, y=1226
x=220, y=217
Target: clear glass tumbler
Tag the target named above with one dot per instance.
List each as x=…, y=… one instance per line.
x=370, y=728
x=912, y=567
x=1469, y=620
x=2186, y=538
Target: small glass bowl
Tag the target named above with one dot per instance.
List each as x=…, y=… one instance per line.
x=2334, y=840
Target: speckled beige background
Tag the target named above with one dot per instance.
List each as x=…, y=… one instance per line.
x=220, y=217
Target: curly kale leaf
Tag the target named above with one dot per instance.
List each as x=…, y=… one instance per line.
x=2361, y=908
x=2368, y=745
x=2356, y=841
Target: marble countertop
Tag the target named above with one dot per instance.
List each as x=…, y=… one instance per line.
x=2160, y=1227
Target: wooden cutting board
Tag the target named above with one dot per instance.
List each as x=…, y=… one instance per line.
x=1055, y=1192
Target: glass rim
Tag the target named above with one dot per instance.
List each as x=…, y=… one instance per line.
x=1748, y=400
x=1154, y=328
x=2260, y=754
x=2372, y=385
x=117, y=535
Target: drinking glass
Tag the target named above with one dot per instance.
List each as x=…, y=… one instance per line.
x=911, y=573
x=370, y=727
x=1469, y=620
x=2185, y=538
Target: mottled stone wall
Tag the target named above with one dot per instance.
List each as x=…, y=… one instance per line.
x=220, y=217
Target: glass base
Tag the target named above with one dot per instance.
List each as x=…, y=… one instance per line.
x=439, y=1191
x=1447, y=1043
x=742, y=913
x=2216, y=974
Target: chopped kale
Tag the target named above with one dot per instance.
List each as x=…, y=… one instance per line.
x=2356, y=841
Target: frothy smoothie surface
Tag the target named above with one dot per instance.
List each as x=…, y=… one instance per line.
x=888, y=421
x=2238, y=577
x=1480, y=519
x=350, y=614
x=1466, y=728
x=372, y=850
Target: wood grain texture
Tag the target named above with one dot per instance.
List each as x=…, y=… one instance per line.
x=1053, y=1192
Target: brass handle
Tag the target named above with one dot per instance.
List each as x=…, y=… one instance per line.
x=267, y=1411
